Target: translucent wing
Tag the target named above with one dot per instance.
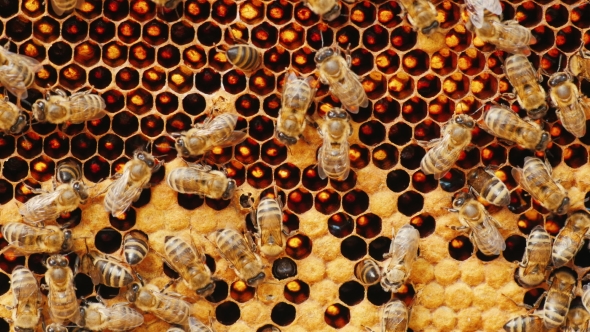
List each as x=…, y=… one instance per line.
x=476, y=10
x=65, y=6
x=85, y=109
x=321, y=173
x=11, y=79
x=122, y=193
x=506, y=42
x=488, y=236
x=348, y=91
x=41, y=208
x=406, y=241
x=344, y=149
x=234, y=138
x=444, y=157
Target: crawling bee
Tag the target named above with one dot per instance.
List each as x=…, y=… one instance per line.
x=201, y=180
x=244, y=57
x=53, y=327
x=571, y=109
x=334, y=70
x=570, y=239
x=26, y=240
x=50, y=205
x=17, y=71
x=484, y=228
x=333, y=159
x=562, y=287
x=63, y=6
x=577, y=319
x=135, y=247
x=26, y=309
x=329, y=10
x=12, y=119
x=580, y=64
x=105, y=270
x=367, y=272
x=297, y=97
x=269, y=224
x=532, y=269
x=535, y=178
x=190, y=264
x=59, y=108
x=167, y=307
x=529, y=323
x=403, y=252
x=118, y=317
x=234, y=248
x=525, y=81
x=175, y=329
x=507, y=125
x=477, y=8
x=127, y=188
x=445, y=151
x=61, y=300
x=487, y=185
x=508, y=36
x=421, y=15
x=68, y=171
x=395, y=317
x=168, y=4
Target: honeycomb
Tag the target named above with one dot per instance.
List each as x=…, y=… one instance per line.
x=158, y=71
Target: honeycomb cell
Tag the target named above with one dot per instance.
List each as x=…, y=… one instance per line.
x=96, y=169
x=515, y=247
x=400, y=133
x=371, y=132
x=153, y=79
x=353, y=248
x=401, y=86
x=241, y=292
x=142, y=10
x=457, y=85
x=410, y=203
x=283, y=268
x=460, y=248
x=556, y=15
x=19, y=28
x=443, y=62
x=168, y=56
x=527, y=221
x=424, y=223
x=15, y=169
x=337, y=315
x=494, y=154
x=42, y=168
x=340, y=225
x=385, y=156
x=351, y=293
x=414, y=110
x=531, y=296
x=9, y=261
x=298, y=246
x=469, y=159
x=427, y=130
x=346, y=184
x=582, y=258
x=129, y=31
x=274, y=153
x=279, y=12
x=108, y=240
x=458, y=39
x=227, y=313
x=529, y=14
x=106, y=292
x=575, y=155
x=355, y=202
x=219, y=293
x=29, y=145
x=287, y=176
x=428, y=86
x=296, y=291
x=127, y=78
x=36, y=264
x=74, y=29
x=452, y=181
x=568, y=39
x=283, y=314
x=46, y=29
x=327, y=201
x=359, y=156
x=6, y=191
x=398, y=180
x=83, y=285
x=60, y=53
x=368, y=225
x=578, y=13
x=411, y=156
x=125, y=124
x=116, y=10
x=545, y=38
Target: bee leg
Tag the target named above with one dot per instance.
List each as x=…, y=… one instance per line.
x=458, y=228
x=250, y=241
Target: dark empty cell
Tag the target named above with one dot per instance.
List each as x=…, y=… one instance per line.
x=29, y=145
x=152, y=125
x=327, y=202
x=116, y=9
x=553, y=155
x=4, y=287
x=125, y=124
x=283, y=314
x=411, y=156
x=8, y=9
x=371, y=132
x=520, y=201
x=168, y=56
x=208, y=34
x=100, y=77
x=8, y=262
x=345, y=185
x=227, y=313
x=368, y=225
x=36, y=264
x=170, y=272
x=400, y=133
x=398, y=180
x=261, y=128
x=241, y=292
x=6, y=191
x=340, y=225
x=115, y=100
x=575, y=156
x=377, y=296
x=210, y=262
x=83, y=285
x=19, y=28
x=424, y=223
x=424, y=183
x=144, y=198
x=516, y=156
x=42, y=168
x=235, y=82
x=74, y=29
x=248, y=105
x=299, y=200
x=296, y=291
x=494, y=154
x=102, y=30
x=386, y=110
x=129, y=31
x=166, y=102
x=527, y=221
x=190, y=201
x=60, y=53
x=311, y=179
x=427, y=130
x=453, y=180
x=259, y=175
x=578, y=14
x=353, y=248
x=485, y=258
x=545, y=37
x=182, y=33
x=337, y=315
x=127, y=78
x=96, y=169
x=217, y=204
x=15, y=169
x=283, y=268
x=355, y=202
x=208, y=81
x=351, y=293
x=298, y=246
x=532, y=295
x=106, y=292
x=428, y=86
x=582, y=258
x=460, y=248
x=529, y=14
x=108, y=240
x=274, y=153
x=515, y=247
x=414, y=110
x=70, y=219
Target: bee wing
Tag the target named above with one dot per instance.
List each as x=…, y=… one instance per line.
x=343, y=88
x=441, y=149
x=121, y=194
x=519, y=178
x=392, y=322
x=321, y=173
x=41, y=206
x=403, y=244
x=240, y=253
x=511, y=47
x=489, y=233
x=84, y=109
x=11, y=79
x=236, y=137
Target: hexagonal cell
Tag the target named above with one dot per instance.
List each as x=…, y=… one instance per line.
x=284, y=268
x=287, y=176
x=108, y=240
x=494, y=154
x=116, y=10
x=414, y=110
x=427, y=130
x=568, y=39
x=129, y=31
x=458, y=39
x=529, y=14
x=337, y=315
x=42, y=168
x=227, y=313
x=398, y=180
x=545, y=37
x=351, y=293
x=208, y=81
x=375, y=38
x=411, y=156
x=457, y=85
x=424, y=183
x=410, y=203
x=29, y=145
x=279, y=12
x=403, y=38
x=299, y=200
x=60, y=53
x=298, y=246
x=385, y=156
x=400, y=133
x=56, y=145
x=46, y=29
x=460, y=248
x=241, y=292
x=577, y=14
x=6, y=191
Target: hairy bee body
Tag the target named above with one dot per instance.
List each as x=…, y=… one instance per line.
x=367, y=272
x=27, y=240
x=61, y=300
x=79, y=107
x=403, y=251
x=168, y=4
x=508, y=36
x=571, y=110
x=48, y=206
x=269, y=223
x=570, y=239
x=190, y=264
x=535, y=178
x=532, y=268
x=247, y=264
x=12, y=119
x=168, y=308
x=175, y=329
x=395, y=317
x=118, y=317
x=577, y=319
x=421, y=15
x=487, y=185
x=244, y=57
x=525, y=81
x=586, y=296
x=507, y=125
x=17, y=72
x=63, y=6
x=478, y=8
x=54, y=327
x=127, y=188
x=296, y=99
x=445, y=152
x=562, y=287
x=580, y=64
x=105, y=270
x=27, y=308
x=201, y=180
x=334, y=70
x=530, y=323
x=195, y=325
x=68, y=171
x=135, y=247
x=333, y=158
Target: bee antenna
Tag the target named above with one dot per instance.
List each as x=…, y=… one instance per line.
x=321, y=36
x=548, y=153
x=559, y=62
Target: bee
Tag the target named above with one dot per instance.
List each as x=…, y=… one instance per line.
x=68, y=171
x=214, y=132
x=26, y=240
x=168, y=4
x=403, y=252
x=535, y=178
x=234, y=248
x=562, y=287
x=12, y=119
x=190, y=264
x=476, y=9
x=201, y=180
x=26, y=309
x=118, y=317
x=135, y=247
x=127, y=188
x=62, y=6
x=62, y=301
x=507, y=125
x=525, y=81
x=571, y=110
x=175, y=329
x=333, y=159
x=577, y=319
x=105, y=270
x=530, y=323
x=196, y=326
x=570, y=239
x=168, y=308
x=269, y=224
x=367, y=272
x=445, y=151
x=508, y=36
x=297, y=97
x=580, y=64
x=329, y=10
x=50, y=205
x=484, y=228
x=487, y=185
x=531, y=271
x=17, y=71
x=54, y=327
x=421, y=15
x=334, y=70
x=59, y=108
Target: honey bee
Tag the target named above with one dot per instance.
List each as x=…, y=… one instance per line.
x=50, y=205
x=26, y=310
x=562, y=287
x=68, y=171
x=421, y=15
x=529, y=323
x=168, y=4
x=571, y=110
x=62, y=301
x=535, y=178
x=580, y=64
x=484, y=228
x=334, y=70
x=105, y=270
x=54, y=327
x=508, y=36
x=234, y=248
x=26, y=240
x=445, y=151
x=487, y=185
x=329, y=10
x=403, y=252
x=476, y=9
x=525, y=81
x=570, y=239
x=62, y=6
x=17, y=71
x=532, y=269
x=367, y=272
x=119, y=317
x=507, y=125
x=135, y=247
x=167, y=307
x=59, y=108
x=201, y=180
x=127, y=188
x=190, y=264
x=12, y=119
x=577, y=319
x=244, y=57
x=333, y=159
x=175, y=329
x=297, y=97
x=196, y=326
x=269, y=224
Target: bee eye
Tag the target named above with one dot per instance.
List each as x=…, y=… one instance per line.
x=41, y=105
x=135, y=288
x=63, y=263
x=51, y=262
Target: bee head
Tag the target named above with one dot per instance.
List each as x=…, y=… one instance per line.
x=181, y=148
x=22, y=329
x=229, y=191
x=543, y=142
x=473, y=175
x=564, y=206
x=19, y=125
x=39, y=110
x=429, y=29
x=538, y=112
x=131, y=294
x=207, y=290
x=285, y=139
x=337, y=113
x=148, y=159
x=257, y=280
x=461, y=199
x=67, y=243
x=323, y=54
x=465, y=120
x=80, y=189
x=558, y=78
x=333, y=13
